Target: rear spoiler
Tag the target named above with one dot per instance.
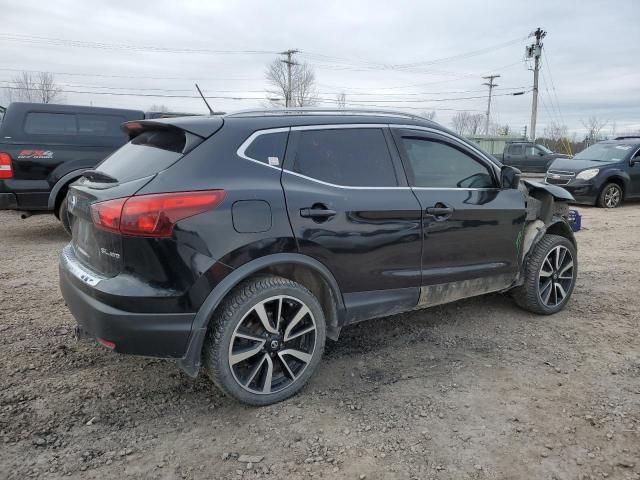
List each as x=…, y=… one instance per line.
x=202, y=127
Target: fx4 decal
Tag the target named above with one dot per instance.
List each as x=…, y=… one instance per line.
x=35, y=154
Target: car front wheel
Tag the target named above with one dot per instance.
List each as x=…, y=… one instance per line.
x=611, y=196
x=550, y=276
x=265, y=341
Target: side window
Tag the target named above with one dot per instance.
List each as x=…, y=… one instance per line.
x=436, y=164
x=356, y=157
x=515, y=149
x=268, y=148
x=532, y=152
x=40, y=123
x=100, y=125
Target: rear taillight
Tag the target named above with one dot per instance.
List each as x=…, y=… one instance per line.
x=152, y=215
x=6, y=170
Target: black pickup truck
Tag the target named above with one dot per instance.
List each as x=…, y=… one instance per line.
x=44, y=148
x=528, y=156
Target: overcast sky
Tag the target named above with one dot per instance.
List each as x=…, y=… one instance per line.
x=381, y=54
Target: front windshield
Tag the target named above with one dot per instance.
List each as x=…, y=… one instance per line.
x=544, y=149
x=604, y=152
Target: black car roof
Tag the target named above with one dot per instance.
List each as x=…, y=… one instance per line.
x=265, y=119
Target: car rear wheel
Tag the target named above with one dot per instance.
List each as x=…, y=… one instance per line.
x=265, y=341
x=611, y=196
x=550, y=276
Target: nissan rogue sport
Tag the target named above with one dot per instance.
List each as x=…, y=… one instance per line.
x=238, y=244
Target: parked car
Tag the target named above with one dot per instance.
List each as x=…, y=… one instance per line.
x=604, y=174
x=45, y=147
x=240, y=243
x=528, y=156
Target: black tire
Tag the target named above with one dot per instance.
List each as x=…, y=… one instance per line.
x=63, y=215
x=531, y=294
x=610, y=196
x=238, y=310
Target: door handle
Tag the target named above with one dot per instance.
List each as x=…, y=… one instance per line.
x=439, y=211
x=317, y=213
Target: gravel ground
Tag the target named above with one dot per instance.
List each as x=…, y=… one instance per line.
x=475, y=389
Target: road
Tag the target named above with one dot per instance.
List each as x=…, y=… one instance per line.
x=476, y=389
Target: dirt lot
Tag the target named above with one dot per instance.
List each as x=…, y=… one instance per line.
x=476, y=389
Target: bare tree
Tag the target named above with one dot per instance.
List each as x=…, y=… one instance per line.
x=303, y=84
x=594, y=126
x=341, y=100
x=555, y=131
x=503, y=130
x=466, y=123
x=429, y=115
x=158, y=108
x=38, y=88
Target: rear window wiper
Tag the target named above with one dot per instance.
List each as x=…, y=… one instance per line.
x=98, y=176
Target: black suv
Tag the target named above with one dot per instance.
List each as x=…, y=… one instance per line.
x=44, y=147
x=242, y=242
x=603, y=174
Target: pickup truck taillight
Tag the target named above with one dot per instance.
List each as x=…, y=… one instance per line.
x=152, y=215
x=6, y=170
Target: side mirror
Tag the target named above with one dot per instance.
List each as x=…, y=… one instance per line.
x=541, y=154
x=510, y=177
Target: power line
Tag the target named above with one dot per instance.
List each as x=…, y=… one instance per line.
x=137, y=77
x=119, y=46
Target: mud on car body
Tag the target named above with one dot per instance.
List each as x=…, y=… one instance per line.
x=236, y=245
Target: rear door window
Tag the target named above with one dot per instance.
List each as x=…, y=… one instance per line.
x=147, y=154
x=42, y=123
x=344, y=156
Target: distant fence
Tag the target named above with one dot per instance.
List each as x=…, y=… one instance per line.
x=494, y=144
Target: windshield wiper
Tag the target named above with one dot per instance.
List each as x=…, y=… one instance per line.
x=98, y=176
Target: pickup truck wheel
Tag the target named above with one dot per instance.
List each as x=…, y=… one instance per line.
x=611, y=196
x=265, y=341
x=63, y=215
x=550, y=276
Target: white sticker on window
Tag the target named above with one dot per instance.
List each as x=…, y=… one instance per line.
x=274, y=161
x=623, y=147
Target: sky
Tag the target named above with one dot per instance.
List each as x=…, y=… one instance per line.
x=415, y=56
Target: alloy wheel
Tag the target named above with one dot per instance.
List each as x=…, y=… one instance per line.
x=556, y=276
x=612, y=196
x=272, y=345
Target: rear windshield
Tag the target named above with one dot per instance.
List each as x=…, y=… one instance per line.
x=604, y=152
x=147, y=154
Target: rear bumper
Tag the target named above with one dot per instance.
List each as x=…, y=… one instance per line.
x=162, y=335
x=8, y=201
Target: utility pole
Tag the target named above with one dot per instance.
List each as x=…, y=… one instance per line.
x=489, y=84
x=290, y=63
x=535, y=51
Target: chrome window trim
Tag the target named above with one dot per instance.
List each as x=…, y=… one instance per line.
x=241, y=152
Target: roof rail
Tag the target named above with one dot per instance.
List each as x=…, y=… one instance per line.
x=626, y=136
x=322, y=111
